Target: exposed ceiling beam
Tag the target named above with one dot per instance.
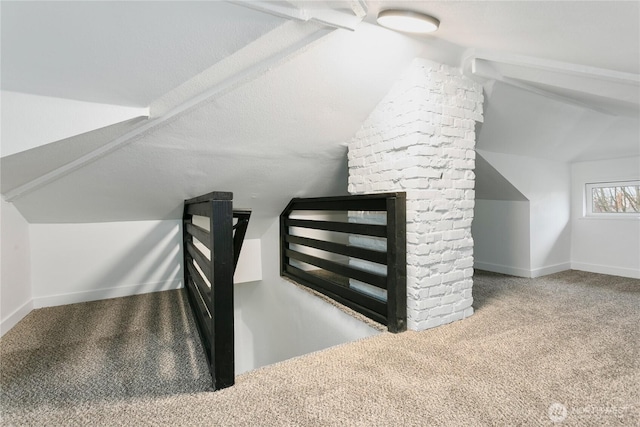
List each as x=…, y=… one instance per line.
x=255, y=59
x=346, y=18
x=606, y=91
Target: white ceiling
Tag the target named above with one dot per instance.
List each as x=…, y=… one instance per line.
x=260, y=100
x=277, y=136
x=603, y=34
x=131, y=53
x=123, y=53
x=519, y=122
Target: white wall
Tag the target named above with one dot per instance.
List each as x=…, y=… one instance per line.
x=83, y=262
x=550, y=232
x=601, y=245
x=249, y=266
x=275, y=320
x=54, y=264
x=501, y=236
x=546, y=184
x=15, y=269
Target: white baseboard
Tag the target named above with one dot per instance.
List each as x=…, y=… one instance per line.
x=503, y=269
x=605, y=269
x=550, y=269
x=522, y=272
x=105, y=293
x=12, y=320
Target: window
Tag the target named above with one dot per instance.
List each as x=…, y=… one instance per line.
x=621, y=198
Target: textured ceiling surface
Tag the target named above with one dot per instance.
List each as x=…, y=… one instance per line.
x=276, y=136
x=260, y=100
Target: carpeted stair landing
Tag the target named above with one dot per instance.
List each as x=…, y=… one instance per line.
x=564, y=348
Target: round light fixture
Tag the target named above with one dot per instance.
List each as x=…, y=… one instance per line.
x=408, y=21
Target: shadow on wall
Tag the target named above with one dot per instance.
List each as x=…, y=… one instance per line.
x=160, y=261
x=84, y=262
x=555, y=254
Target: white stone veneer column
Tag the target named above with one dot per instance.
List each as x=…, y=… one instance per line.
x=420, y=139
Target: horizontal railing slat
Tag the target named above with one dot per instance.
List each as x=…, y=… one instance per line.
x=374, y=308
x=339, y=205
x=344, y=199
x=202, y=319
x=199, y=233
x=351, y=251
x=205, y=291
x=295, y=220
x=343, y=270
x=203, y=262
x=209, y=197
x=341, y=227
x=201, y=209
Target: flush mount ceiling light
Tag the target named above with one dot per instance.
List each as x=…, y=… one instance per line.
x=408, y=21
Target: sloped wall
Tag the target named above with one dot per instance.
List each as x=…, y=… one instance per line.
x=420, y=139
x=546, y=186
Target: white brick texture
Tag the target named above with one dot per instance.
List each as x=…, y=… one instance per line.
x=421, y=139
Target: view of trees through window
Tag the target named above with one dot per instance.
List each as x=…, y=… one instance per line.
x=615, y=199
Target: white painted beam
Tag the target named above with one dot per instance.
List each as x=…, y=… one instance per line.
x=346, y=18
x=284, y=42
x=607, y=91
x=247, y=63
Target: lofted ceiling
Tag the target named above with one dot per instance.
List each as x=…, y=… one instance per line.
x=260, y=97
x=124, y=53
x=602, y=34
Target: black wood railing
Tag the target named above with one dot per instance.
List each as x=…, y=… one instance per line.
x=352, y=249
x=209, y=279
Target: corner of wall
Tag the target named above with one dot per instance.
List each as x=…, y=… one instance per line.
x=249, y=268
x=15, y=267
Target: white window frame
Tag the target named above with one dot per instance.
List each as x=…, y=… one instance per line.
x=588, y=208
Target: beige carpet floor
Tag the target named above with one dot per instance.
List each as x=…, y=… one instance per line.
x=558, y=350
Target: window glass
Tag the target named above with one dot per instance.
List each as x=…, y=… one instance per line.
x=613, y=198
